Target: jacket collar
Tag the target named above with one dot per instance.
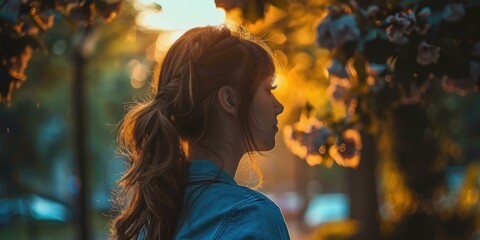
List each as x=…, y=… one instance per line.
x=206, y=170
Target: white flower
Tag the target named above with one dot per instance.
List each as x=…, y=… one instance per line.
x=427, y=54
x=311, y=145
x=347, y=153
x=316, y=138
x=316, y=143
x=400, y=26
x=453, y=12
x=425, y=12
x=332, y=33
x=337, y=88
x=372, y=10
x=293, y=141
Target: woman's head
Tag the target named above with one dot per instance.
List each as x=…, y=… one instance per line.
x=202, y=62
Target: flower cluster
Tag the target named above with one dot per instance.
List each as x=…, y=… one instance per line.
x=412, y=43
x=393, y=53
x=315, y=142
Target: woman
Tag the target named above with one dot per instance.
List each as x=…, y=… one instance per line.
x=213, y=104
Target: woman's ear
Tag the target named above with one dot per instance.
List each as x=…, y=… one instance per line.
x=227, y=97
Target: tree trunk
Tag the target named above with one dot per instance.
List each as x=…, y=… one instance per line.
x=362, y=192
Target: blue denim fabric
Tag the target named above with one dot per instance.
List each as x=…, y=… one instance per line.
x=218, y=208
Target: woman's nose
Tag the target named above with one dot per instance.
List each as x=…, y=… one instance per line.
x=278, y=107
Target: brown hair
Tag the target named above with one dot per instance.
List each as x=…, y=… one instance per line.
x=197, y=65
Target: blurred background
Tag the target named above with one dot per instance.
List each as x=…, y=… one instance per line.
x=380, y=137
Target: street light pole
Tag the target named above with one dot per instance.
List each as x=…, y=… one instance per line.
x=79, y=129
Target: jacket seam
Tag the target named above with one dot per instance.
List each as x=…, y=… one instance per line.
x=230, y=215
x=254, y=193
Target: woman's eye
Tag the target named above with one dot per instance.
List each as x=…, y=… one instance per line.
x=272, y=88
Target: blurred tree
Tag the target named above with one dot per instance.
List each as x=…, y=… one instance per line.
x=22, y=24
x=391, y=64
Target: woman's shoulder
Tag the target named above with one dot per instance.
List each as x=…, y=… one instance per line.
x=260, y=205
x=259, y=218
x=241, y=197
x=244, y=196
x=258, y=198
x=233, y=211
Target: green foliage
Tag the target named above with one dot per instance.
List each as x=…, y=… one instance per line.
x=23, y=24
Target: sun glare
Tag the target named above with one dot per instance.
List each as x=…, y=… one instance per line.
x=177, y=14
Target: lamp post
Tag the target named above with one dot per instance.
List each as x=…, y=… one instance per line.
x=79, y=129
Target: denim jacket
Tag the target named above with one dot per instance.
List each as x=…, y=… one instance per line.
x=218, y=208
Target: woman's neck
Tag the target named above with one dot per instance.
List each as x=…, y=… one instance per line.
x=225, y=156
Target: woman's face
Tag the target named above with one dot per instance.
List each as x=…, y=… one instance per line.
x=265, y=109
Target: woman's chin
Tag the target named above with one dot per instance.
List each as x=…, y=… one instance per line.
x=267, y=147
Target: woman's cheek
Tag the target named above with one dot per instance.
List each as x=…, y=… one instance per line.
x=260, y=114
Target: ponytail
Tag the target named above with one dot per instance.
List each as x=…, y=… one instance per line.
x=155, y=180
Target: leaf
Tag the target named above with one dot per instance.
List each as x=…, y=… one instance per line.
x=83, y=14
x=107, y=10
x=230, y=4
x=283, y=4
x=44, y=20
x=309, y=109
x=254, y=10
x=345, y=52
x=359, y=65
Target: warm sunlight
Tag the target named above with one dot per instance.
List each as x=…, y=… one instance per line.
x=178, y=14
